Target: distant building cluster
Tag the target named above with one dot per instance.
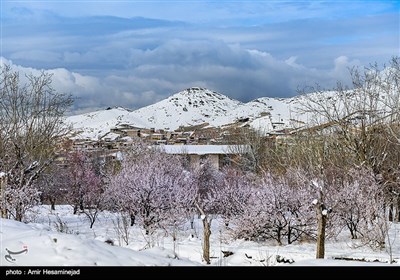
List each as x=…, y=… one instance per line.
x=199, y=142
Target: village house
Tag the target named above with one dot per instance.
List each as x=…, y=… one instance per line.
x=218, y=155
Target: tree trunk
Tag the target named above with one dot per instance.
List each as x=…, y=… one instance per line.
x=132, y=217
x=192, y=222
x=81, y=207
x=391, y=206
x=206, y=241
x=321, y=232
x=53, y=203
x=3, y=184
x=92, y=220
x=18, y=214
x=397, y=210
x=4, y=212
x=174, y=243
x=206, y=233
x=278, y=235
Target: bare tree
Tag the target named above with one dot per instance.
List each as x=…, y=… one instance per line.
x=79, y=171
x=94, y=197
x=234, y=193
x=365, y=121
x=251, y=149
x=278, y=209
x=52, y=185
x=206, y=181
x=31, y=126
x=150, y=187
x=358, y=192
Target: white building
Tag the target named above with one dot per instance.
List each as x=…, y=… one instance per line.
x=218, y=155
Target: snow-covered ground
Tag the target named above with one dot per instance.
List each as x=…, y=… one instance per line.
x=59, y=238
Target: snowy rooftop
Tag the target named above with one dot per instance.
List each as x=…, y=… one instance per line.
x=204, y=149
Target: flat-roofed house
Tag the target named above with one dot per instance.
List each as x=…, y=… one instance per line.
x=218, y=155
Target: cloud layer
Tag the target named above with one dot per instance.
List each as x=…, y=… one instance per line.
x=242, y=50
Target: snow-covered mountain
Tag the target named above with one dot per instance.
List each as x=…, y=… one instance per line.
x=192, y=106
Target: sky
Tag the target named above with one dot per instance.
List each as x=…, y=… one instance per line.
x=135, y=53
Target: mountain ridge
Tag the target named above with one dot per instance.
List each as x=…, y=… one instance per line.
x=189, y=107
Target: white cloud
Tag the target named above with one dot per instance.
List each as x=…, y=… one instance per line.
x=134, y=62
x=248, y=74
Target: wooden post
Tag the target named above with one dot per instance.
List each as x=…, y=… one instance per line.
x=322, y=219
x=206, y=233
x=206, y=241
x=321, y=232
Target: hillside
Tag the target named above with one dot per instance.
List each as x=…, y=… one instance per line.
x=192, y=106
